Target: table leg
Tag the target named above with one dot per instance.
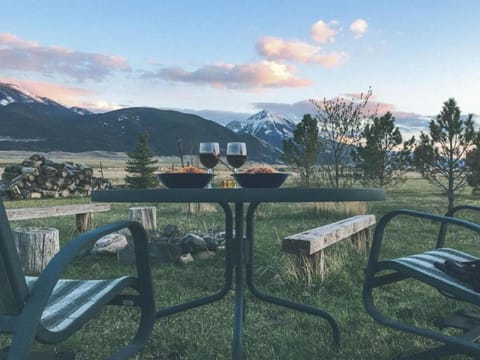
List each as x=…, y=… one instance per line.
x=227, y=285
x=274, y=299
x=239, y=290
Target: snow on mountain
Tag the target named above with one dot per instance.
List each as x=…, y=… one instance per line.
x=265, y=125
x=80, y=111
x=11, y=93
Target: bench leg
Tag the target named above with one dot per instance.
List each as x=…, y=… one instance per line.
x=84, y=222
x=313, y=264
x=362, y=240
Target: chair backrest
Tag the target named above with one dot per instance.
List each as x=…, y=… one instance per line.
x=14, y=288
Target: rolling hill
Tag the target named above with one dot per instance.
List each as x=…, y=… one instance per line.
x=39, y=124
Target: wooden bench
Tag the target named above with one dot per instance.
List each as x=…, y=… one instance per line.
x=309, y=245
x=83, y=213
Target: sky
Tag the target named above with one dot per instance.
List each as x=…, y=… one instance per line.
x=224, y=58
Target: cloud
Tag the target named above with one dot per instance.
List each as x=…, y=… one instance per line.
x=274, y=48
x=358, y=28
x=21, y=55
x=222, y=117
x=265, y=74
x=323, y=32
x=65, y=95
x=294, y=110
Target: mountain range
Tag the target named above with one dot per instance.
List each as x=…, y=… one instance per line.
x=30, y=122
x=34, y=123
x=266, y=125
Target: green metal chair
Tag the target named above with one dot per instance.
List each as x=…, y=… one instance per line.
x=49, y=309
x=424, y=268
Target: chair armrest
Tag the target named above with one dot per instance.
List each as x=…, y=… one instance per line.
x=451, y=213
x=47, y=280
x=382, y=223
x=462, y=207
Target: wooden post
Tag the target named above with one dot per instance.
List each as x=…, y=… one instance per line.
x=36, y=247
x=84, y=222
x=362, y=240
x=147, y=216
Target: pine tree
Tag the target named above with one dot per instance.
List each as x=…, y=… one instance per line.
x=381, y=159
x=301, y=152
x=141, y=166
x=444, y=149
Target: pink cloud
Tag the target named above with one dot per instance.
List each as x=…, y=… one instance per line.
x=358, y=28
x=373, y=105
x=65, y=95
x=21, y=55
x=323, y=32
x=265, y=74
x=274, y=48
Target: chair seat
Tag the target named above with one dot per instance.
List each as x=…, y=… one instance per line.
x=421, y=267
x=72, y=299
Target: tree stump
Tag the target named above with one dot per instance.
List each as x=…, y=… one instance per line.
x=36, y=247
x=147, y=216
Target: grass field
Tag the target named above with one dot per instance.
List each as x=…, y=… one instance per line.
x=271, y=333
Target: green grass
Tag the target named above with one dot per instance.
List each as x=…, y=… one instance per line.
x=271, y=332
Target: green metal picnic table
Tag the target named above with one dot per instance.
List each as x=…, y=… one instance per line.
x=239, y=228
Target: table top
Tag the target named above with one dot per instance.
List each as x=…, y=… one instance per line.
x=238, y=195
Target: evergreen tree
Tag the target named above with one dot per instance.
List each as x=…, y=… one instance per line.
x=301, y=152
x=473, y=162
x=381, y=161
x=444, y=149
x=141, y=166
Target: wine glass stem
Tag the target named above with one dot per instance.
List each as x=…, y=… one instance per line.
x=209, y=186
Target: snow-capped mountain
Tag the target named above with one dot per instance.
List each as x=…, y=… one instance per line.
x=11, y=93
x=265, y=125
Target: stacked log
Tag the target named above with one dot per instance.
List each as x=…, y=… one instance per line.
x=39, y=177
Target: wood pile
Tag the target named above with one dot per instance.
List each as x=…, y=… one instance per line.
x=38, y=177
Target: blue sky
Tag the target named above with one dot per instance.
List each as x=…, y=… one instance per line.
x=242, y=56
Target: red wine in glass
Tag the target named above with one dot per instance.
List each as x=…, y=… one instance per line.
x=208, y=160
x=209, y=154
x=236, y=154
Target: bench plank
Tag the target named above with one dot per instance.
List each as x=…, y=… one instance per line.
x=309, y=245
x=312, y=241
x=52, y=211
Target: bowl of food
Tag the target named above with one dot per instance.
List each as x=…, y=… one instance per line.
x=185, y=178
x=260, y=177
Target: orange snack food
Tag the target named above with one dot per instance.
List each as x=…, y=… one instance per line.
x=259, y=170
x=187, y=170
x=190, y=170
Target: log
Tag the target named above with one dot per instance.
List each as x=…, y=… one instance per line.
x=147, y=216
x=45, y=177
x=36, y=247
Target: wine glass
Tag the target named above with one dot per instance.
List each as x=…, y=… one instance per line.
x=236, y=154
x=209, y=154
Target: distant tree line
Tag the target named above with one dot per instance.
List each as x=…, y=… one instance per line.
x=344, y=143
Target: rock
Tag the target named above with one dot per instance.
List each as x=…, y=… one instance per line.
x=163, y=252
x=203, y=255
x=212, y=244
x=160, y=252
x=171, y=231
x=186, y=258
x=110, y=244
x=192, y=243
